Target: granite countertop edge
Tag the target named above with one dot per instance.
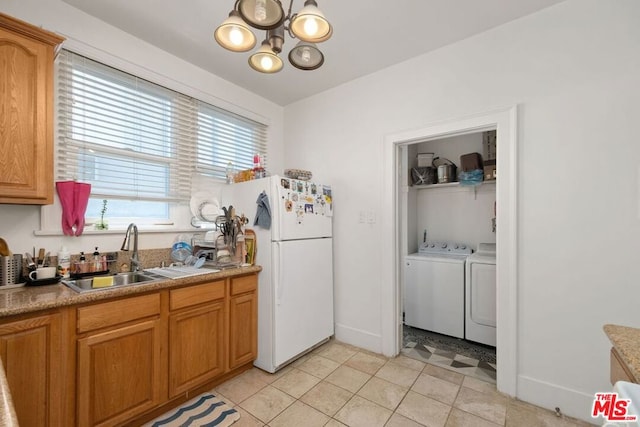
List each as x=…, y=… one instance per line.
x=626, y=340
x=29, y=299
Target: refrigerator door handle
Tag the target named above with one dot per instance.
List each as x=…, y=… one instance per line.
x=279, y=268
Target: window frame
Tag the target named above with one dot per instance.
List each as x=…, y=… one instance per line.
x=180, y=216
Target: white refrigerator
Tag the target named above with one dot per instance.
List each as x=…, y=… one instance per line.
x=295, y=290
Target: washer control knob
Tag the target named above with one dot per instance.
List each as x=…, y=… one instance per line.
x=444, y=246
x=463, y=247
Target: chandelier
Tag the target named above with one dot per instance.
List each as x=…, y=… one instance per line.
x=308, y=25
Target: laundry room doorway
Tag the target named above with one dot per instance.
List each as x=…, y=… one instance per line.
x=449, y=304
x=400, y=227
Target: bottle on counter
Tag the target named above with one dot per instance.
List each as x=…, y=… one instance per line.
x=82, y=264
x=229, y=173
x=181, y=248
x=258, y=170
x=64, y=262
x=96, y=264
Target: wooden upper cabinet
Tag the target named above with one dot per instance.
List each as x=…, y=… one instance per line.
x=26, y=112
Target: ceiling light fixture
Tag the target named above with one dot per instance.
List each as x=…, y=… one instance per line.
x=309, y=25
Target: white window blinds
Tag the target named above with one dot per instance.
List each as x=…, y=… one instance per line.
x=135, y=140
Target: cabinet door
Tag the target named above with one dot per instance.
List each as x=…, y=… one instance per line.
x=196, y=346
x=243, y=321
x=119, y=374
x=26, y=84
x=31, y=351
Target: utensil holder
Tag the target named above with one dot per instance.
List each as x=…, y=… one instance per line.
x=10, y=269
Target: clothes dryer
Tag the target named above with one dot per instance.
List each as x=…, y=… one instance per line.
x=480, y=295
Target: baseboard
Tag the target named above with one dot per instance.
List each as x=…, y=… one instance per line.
x=358, y=338
x=572, y=403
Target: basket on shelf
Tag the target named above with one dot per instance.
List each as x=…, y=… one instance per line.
x=298, y=174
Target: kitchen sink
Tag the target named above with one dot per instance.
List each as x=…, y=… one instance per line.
x=90, y=284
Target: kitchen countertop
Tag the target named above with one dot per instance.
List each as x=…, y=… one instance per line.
x=28, y=299
x=626, y=341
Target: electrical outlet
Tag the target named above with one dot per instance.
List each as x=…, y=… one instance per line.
x=362, y=217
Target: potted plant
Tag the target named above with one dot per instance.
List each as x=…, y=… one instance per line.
x=102, y=224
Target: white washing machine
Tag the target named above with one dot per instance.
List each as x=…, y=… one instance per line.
x=434, y=288
x=480, y=295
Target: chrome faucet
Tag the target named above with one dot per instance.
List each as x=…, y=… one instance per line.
x=135, y=262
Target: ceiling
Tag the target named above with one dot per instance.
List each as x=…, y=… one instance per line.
x=368, y=35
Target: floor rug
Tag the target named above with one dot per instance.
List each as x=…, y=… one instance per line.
x=205, y=410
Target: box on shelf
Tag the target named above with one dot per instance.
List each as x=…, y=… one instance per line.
x=470, y=161
x=490, y=170
x=489, y=145
x=425, y=160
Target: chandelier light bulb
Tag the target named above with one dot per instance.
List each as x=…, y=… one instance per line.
x=235, y=36
x=261, y=14
x=306, y=54
x=265, y=59
x=266, y=63
x=310, y=26
x=261, y=10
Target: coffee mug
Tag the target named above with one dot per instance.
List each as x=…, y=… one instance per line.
x=43, y=273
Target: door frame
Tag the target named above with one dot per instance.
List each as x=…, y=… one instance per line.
x=504, y=120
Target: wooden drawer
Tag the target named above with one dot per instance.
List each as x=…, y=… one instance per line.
x=194, y=295
x=240, y=285
x=117, y=312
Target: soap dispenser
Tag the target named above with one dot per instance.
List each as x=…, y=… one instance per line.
x=82, y=265
x=97, y=262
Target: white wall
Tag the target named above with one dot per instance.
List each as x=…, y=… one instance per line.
x=94, y=37
x=572, y=69
x=455, y=214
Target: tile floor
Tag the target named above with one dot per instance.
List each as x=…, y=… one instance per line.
x=459, y=355
x=453, y=361
x=340, y=385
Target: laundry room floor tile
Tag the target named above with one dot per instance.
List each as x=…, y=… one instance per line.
x=450, y=353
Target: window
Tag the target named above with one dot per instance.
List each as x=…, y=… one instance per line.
x=139, y=143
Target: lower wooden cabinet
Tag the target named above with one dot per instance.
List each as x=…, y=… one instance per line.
x=196, y=336
x=118, y=362
x=119, y=374
x=243, y=321
x=119, y=369
x=32, y=350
